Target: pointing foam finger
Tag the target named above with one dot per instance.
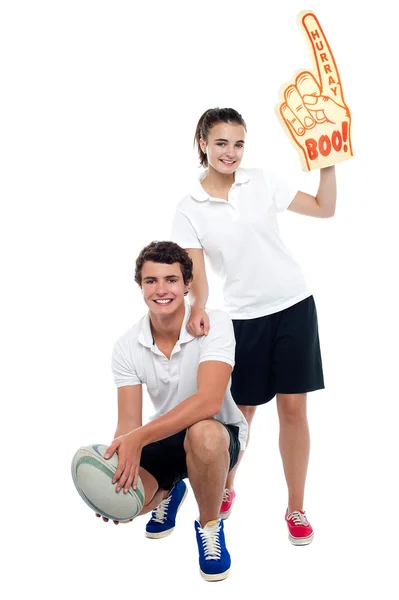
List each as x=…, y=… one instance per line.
x=326, y=66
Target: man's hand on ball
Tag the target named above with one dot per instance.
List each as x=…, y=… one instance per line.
x=128, y=448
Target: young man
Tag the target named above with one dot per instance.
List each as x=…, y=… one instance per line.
x=197, y=430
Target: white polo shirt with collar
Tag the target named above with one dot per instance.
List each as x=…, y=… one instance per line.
x=242, y=241
x=137, y=360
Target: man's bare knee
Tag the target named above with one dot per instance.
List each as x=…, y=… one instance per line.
x=206, y=438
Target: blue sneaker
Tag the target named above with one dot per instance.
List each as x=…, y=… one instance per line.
x=163, y=518
x=214, y=558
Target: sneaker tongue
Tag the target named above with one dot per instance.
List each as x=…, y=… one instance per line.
x=212, y=524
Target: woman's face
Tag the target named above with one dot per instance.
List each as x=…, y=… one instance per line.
x=224, y=147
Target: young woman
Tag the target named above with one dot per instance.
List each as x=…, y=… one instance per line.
x=231, y=215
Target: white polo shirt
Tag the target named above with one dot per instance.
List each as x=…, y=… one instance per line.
x=241, y=238
x=136, y=359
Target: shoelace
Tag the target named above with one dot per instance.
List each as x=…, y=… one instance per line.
x=298, y=518
x=210, y=542
x=159, y=514
x=226, y=495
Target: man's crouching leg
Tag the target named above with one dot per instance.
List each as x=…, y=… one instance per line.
x=208, y=460
x=153, y=494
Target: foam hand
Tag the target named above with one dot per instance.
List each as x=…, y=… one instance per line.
x=313, y=109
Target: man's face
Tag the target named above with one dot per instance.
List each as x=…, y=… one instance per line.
x=163, y=287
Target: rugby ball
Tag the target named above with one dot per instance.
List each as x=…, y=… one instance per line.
x=92, y=475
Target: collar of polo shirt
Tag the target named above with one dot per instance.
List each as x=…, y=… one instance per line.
x=145, y=336
x=198, y=192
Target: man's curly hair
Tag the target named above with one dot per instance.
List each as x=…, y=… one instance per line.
x=167, y=253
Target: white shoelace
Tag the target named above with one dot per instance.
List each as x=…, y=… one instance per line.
x=210, y=542
x=226, y=495
x=299, y=518
x=159, y=514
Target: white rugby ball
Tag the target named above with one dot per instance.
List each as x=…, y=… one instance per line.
x=92, y=475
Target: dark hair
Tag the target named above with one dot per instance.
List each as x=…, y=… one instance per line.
x=168, y=253
x=211, y=117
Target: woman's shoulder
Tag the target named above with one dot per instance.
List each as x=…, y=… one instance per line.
x=262, y=177
x=195, y=196
x=251, y=171
x=255, y=174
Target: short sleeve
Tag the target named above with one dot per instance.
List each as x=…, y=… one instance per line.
x=283, y=192
x=183, y=232
x=123, y=369
x=220, y=343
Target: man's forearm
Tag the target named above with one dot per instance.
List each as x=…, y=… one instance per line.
x=125, y=427
x=192, y=410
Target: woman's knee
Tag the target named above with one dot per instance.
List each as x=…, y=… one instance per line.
x=248, y=412
x=292, y=408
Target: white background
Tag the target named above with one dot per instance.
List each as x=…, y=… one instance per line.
x=99, y=105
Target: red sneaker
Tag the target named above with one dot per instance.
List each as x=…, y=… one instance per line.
x=300, y=530
x=227, y=503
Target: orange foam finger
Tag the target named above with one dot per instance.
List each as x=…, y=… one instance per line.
x=327, y=69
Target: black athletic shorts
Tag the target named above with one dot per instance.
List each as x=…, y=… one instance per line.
x=166, y=459
x=278, y=353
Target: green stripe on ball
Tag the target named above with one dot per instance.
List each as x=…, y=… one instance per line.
x=107, y=471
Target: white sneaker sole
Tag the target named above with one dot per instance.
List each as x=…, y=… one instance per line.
x=295, y=541
x=225, y=515
x=162, y=534
x=215, y=577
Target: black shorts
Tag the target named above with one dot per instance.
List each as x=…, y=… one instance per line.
x=166, y=459
x=277, y=354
